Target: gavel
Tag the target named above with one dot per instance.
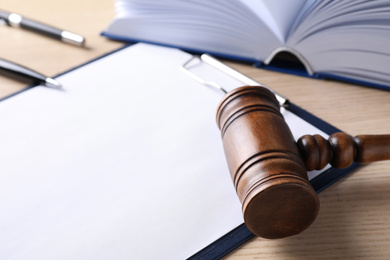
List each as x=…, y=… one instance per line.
x=269, y=168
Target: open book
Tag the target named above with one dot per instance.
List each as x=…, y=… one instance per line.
x=343, y=39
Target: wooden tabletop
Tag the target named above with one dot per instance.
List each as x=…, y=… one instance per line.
x=354, y=219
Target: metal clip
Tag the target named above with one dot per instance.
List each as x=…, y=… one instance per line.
x=229, y=71
x=211, y=84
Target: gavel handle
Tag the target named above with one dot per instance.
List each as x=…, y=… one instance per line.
x=341, y=150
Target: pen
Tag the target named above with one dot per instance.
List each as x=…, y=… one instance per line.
x=16, y=20
x=11, y=68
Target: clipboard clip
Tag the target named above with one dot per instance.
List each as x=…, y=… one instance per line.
x=208, y=59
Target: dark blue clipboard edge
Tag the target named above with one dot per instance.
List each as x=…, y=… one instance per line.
x=241, y=234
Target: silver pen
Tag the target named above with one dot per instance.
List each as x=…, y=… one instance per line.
x=15, y=70
x=16, y=20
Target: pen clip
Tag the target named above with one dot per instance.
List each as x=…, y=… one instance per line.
x=208, y=59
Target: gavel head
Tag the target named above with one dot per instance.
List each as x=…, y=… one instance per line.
x=266, y=168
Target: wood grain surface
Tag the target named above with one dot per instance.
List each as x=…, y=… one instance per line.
x=354, y=220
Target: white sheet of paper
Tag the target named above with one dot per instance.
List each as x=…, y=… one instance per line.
x=125, y=162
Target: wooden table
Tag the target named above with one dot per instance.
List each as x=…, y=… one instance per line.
x=354, y=220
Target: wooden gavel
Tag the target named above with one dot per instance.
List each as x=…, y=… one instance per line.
x=269, y=169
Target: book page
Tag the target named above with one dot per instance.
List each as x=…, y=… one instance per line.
x=278, y=15
x=227, y=28
x=346, y=40
x=126, y=162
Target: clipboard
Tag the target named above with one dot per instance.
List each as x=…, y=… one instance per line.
x=97, y=171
